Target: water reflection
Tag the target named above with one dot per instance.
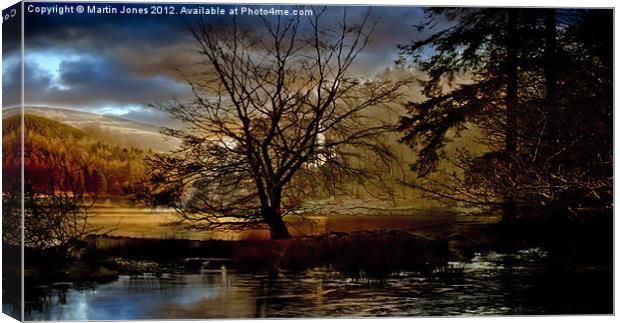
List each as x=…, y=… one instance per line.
x=491, y=284
x=146, y=223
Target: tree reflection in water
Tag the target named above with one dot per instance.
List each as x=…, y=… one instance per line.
x=491, y=284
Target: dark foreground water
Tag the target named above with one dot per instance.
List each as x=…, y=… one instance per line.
x=491, y=284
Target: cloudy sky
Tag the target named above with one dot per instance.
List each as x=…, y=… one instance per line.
x=117, y=64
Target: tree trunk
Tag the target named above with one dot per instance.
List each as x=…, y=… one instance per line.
x=509, y=212
x=555, y=115
x=277, y=227
x=273, y=216
x=550, y=56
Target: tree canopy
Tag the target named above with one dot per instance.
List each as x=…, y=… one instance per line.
x=277, y=116
x=537, y=87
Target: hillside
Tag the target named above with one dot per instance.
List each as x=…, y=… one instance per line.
x=52, y=147
x=41, y=126
x=118, y=130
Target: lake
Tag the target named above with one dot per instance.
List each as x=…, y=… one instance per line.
x=490, y=284
x=156, y=223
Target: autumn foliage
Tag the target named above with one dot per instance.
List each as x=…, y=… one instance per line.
x=105, y=168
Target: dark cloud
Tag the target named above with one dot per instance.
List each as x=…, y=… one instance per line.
x=91, y=82
x=11, y=95
x=116, y=60
x=92, y=85
x=37, y=82
x=102, y=80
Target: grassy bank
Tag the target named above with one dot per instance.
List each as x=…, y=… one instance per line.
x=369, y=253
x=373, y=253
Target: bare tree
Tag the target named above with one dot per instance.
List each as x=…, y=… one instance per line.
x=57, y=208
x=276, y=116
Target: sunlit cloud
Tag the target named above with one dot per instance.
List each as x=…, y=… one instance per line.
x=50, y=63
x=118, y=110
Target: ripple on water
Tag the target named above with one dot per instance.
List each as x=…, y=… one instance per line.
x=491, y=284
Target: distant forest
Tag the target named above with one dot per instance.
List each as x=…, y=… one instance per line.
x=95, y=164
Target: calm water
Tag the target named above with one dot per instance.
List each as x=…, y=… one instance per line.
x=491, y=284
x=148, y=223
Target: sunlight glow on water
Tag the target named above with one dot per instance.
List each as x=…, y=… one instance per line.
x=149, y=223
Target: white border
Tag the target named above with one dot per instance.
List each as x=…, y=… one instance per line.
x=471, y=3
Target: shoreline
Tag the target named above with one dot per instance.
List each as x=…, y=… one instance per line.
x=353, y=253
